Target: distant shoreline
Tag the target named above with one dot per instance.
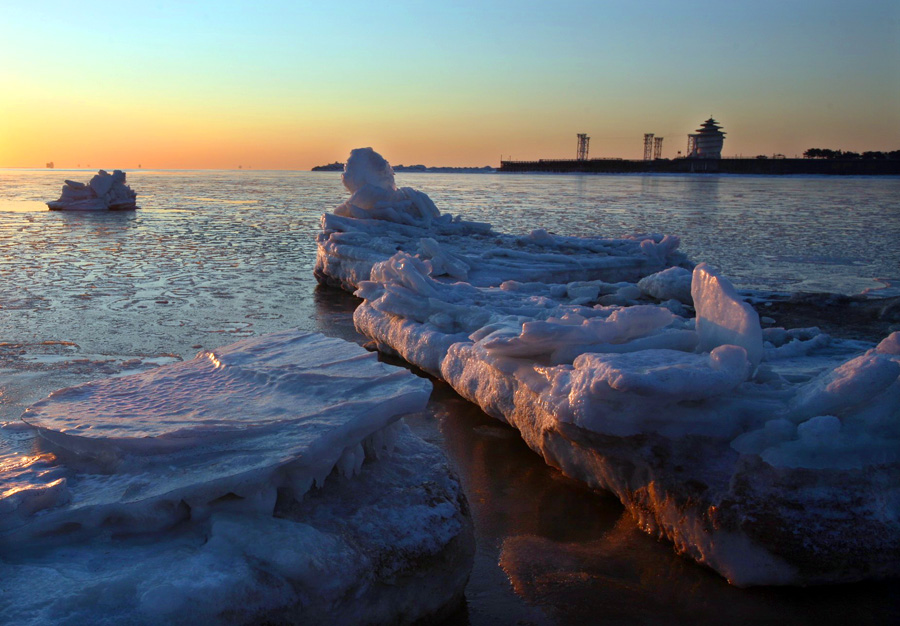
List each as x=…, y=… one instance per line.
x=836, y=167
x=339, y=167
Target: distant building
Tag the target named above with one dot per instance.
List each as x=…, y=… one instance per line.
x=707, y=142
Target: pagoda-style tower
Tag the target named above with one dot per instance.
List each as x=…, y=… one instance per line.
x=707, y=141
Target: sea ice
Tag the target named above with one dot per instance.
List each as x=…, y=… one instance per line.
x=671, y=284
x=266, y=480
x=700, y=449
x=379, y=219
x=722, y=317
x=104, y=192
x=772, y=457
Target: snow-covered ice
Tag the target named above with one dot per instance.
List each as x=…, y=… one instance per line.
x=772, y=456
x=268, y=479
x=378, y=219
x=104, y=192
x=788, y=475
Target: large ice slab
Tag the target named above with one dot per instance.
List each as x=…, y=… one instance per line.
x=771, y=456
x=104, y=192
x=379, y=219
x=227, y=488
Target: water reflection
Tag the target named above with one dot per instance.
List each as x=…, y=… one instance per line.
x=96, y=222
x=333, y=315
x=551, y=551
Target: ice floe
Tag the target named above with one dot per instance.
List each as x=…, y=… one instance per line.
x=104, y=192
x=771, y=456
x=378, y=219
x=271, y=479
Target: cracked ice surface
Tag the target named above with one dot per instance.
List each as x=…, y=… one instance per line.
x=771, y=456
x=173, y=476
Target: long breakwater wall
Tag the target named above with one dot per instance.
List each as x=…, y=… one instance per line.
x=846, y=167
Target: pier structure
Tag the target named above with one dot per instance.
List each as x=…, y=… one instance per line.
x=747, y=165
x=704, y=155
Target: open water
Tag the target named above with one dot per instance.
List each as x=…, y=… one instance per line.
x=215, y=256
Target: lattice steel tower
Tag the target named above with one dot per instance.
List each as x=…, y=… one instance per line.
x=692, y=145
x=657, y=148
x=648, y=146
x=583, y=144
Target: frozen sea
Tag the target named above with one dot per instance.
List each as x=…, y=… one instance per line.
x=215, y=256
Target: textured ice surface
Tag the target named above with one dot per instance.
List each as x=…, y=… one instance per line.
x=722, y=317
x=270, y=412
x=769, y=456
x=670, y=284
x=386, y=546
x=205, y=487
x=104, y=192
x=702, y=451
x=379, y=219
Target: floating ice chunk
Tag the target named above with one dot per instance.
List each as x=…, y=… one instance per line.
x=388, y=545
x=722, y=317
x=673, y=283
x=211, y=459
x=285, y=403
x=104, y=192
x=203, y=397
x=890, y=344
x=378, y=220
x=851, y=384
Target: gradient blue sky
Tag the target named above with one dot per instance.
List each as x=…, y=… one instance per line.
x=292, y=84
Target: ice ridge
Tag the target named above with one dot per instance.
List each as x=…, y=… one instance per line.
x=772, y=456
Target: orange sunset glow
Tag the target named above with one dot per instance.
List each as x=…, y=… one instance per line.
x=218, y=85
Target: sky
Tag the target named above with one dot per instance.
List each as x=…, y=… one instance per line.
x=290, y=85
